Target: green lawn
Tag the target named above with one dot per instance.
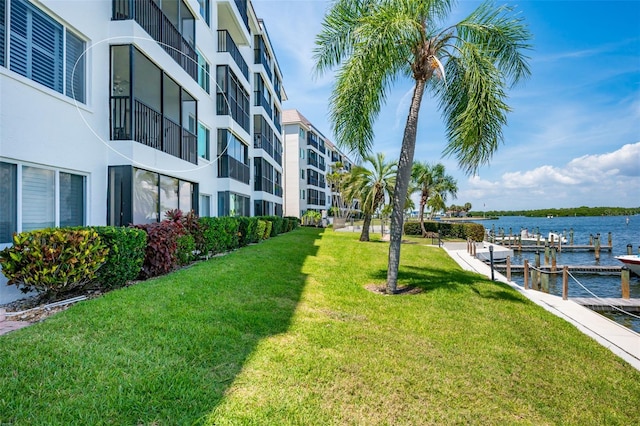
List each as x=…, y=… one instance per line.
x=284, y=333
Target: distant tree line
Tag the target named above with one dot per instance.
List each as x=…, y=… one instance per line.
x=574, y=211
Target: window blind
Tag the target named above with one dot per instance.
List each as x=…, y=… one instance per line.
x=38, y=206
x=71, y=199
x=8, y=209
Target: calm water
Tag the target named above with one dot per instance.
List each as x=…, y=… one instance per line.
x=622, y=233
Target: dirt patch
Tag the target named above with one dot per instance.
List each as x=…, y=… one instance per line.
x=400, y=290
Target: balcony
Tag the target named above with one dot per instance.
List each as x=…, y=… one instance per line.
x=263, y=102
x=229, y=167
x=150, y=128
x=152, y=19
x=226, y=44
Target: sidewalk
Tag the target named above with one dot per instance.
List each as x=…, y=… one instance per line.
x=7, y=326
x=618, y=339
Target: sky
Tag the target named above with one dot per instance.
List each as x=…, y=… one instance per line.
x=573, y=136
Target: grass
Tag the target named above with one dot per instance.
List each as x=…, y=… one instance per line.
x=285, y=333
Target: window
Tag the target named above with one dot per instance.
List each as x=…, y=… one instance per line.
x=302, y=134
x=204, y=137
x=72, y=202
x=154, y=194
x=2, y=32
x=301, y=173
x=8, y=207
x=48, y=198
x=38, y=50
x=232, y=204
x=204, y=11
x=204, y=70
x=205, y=205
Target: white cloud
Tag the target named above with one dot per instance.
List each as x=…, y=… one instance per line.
x=611, y=179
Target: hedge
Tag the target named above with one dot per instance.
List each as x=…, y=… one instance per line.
x=126, y=255
x=162, y=247
x=465, y=230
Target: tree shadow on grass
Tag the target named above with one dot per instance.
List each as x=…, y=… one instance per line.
x=433, y=278
x=164, y=351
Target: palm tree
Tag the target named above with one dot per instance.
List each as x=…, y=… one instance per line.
x=434, y=185
x=374, y=42
x=370, y=185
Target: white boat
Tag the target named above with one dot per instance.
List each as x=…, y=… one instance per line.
x=531, y=239
x=631, y=261
x=500, y=253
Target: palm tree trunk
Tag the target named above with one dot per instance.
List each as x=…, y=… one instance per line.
x=364, y=235
x=402, y=185
x=423, y=203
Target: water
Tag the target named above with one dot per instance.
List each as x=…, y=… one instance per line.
x=622, y=233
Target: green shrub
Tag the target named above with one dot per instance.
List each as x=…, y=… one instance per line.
x=185, y=249
x=261, y=228
x=125, y=258
x=294, y=222
x=247, y=230
x=463, y=230
x=220, y=234
x=161, y=251
x=267, y=229
x=53, y=260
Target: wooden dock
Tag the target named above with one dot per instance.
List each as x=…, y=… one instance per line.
x=608, y=304
x=560, y=248
x=581, y=269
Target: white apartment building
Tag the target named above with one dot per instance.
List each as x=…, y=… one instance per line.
x=308, y=158
x=115, y=111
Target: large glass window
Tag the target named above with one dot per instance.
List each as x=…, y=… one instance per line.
x=145, y=196
x=232, y=204
x=168, y=195
x=38, y=52
x=8, y=206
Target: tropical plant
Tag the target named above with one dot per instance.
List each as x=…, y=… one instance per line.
x=434, y=185
x=340, y=206
x=370, y=185
x=374, y=42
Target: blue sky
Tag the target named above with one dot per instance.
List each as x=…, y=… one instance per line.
x=573, y=137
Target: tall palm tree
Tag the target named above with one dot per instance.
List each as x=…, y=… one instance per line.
x=375, y=42
x=434, y=185
x=369, y=185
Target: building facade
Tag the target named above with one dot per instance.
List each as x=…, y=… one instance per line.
x=115, y=111
x=309, y=160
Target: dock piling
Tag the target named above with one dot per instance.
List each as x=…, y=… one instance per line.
x=509, y=268
x=565, y=282
x=546, y=254
x=625, y=282
x=526, y=274
x=629, y=249
x=571, y=236
x=554, y=265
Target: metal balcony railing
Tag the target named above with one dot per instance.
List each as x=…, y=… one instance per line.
x=226, y=44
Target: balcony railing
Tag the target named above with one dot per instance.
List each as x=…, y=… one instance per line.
x=225, y=106
x=226, y=44
x=261, y=142
x=150, y=17
x=262, y=101
x=242, y=8
x=150, y=128
x=229, y=167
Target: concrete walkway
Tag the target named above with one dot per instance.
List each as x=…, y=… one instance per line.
x=7, y=326
x=619, y=339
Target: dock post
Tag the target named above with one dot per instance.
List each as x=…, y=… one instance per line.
x=552, y=240
x=544, y=280
x=597, y=247
x=546, y=254
x=493, y=278
x=565, y=282
x=535, y=278
x=590, y=239
x=629, y=249
x=509, y=268
x=571, y=236
x=554, y=266
x=625, y=282
x=610, y=240
x=526, y=274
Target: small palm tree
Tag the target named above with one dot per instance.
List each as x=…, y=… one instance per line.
x=467, y=67
x=369, y=185
x=434, y=185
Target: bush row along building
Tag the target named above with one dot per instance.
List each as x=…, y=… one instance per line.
x=115, y=111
